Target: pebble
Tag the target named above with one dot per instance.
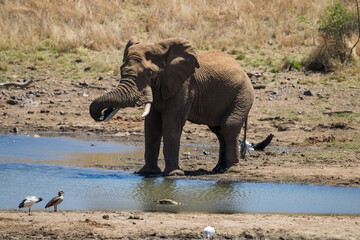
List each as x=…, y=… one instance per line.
x=309, y=93
x=12, y=102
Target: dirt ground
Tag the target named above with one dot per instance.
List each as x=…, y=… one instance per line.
x=149, y=225
x=316, y=141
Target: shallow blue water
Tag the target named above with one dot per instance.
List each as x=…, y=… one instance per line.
x=87, y=188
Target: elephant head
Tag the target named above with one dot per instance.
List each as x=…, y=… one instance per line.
x=160, y=67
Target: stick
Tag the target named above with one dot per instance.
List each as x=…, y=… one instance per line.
x=358, y=15
x=20, y=85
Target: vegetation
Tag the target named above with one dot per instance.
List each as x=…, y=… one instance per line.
x=269, y=34
x=335, y=28
x=63, y=25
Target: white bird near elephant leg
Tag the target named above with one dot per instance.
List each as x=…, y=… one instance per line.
x=209, y=231
x=29, y=201
x=55, y=201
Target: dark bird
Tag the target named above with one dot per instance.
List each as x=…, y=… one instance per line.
x=55, y=201
x=29, y=201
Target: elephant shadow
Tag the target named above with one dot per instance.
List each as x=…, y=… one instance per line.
x=198, y=172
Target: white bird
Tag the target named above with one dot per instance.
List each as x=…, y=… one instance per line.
x=29, y=201
x=209, y=231
x=55, y=201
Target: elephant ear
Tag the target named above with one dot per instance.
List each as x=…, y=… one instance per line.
x=131, y=42
x=179, y=64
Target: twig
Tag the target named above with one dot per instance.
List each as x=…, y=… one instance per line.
x=20, y=85
x=337, y=112
x=85, y=85
x=358, y=15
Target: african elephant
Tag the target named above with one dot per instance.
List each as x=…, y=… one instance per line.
x=176, y=83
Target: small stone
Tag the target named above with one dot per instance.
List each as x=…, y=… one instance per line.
x=106, y=217
x=309, y=93
x=15, y=130
x=87, y=69
x=12, y=102
x=62, y=113
x=206, y=152
x=186, y=154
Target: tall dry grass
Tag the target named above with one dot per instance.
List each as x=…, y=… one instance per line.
x=101, y=24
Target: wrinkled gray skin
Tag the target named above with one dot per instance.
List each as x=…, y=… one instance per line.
x=181, y=84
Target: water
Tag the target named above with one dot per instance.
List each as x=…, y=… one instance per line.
x=28, y=166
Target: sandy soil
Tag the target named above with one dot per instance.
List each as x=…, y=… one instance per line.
x=147, y=225
x=316, y=142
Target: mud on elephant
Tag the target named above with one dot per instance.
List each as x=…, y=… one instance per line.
x=176, y=83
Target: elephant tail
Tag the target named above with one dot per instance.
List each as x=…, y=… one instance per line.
x=243, y=146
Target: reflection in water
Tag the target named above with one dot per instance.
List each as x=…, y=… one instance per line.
x=23, y=172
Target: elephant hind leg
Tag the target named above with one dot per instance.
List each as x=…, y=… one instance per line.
x=221, y=165
x=230, y=129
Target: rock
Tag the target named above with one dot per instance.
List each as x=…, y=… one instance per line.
x=29, y=103
x=87, y=69
x=106, y=217
x=186, y=154
x=12, y=102
x=206, y=152
x=309, y=93
x=78, y=60
x=15, y=130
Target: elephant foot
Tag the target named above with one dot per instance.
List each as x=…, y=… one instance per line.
x=147, y=171
x=219, y=168
x=176, y=172
x=223, y=167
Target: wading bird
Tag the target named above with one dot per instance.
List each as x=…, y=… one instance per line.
x=29, y=201
x=55, y=201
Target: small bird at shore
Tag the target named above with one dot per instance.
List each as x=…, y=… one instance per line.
x=209, y=231
x=29, y=201
x=55, y=201
x=168, y=202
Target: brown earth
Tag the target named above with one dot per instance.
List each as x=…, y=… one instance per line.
x=316, y=141
x=150, y=225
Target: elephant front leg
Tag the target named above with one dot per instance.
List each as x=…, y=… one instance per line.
x=171, y=152
x=153, y=134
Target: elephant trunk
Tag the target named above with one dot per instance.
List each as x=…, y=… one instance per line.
x=126, y=94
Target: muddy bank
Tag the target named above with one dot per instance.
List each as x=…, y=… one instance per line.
x=314, y=142
x=143, y=225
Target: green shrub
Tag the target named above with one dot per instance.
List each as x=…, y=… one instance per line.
x=335, y=26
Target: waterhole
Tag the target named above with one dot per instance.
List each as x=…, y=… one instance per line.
x=43, y=166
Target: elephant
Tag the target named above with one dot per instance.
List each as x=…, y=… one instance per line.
x=175, y=83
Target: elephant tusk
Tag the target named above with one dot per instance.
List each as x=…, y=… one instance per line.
x=146, y=110
x=111, y=114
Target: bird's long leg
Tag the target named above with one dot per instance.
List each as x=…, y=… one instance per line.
x=29, y=212
x=55, y=208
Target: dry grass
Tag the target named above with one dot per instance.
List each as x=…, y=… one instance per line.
x=104, y=24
